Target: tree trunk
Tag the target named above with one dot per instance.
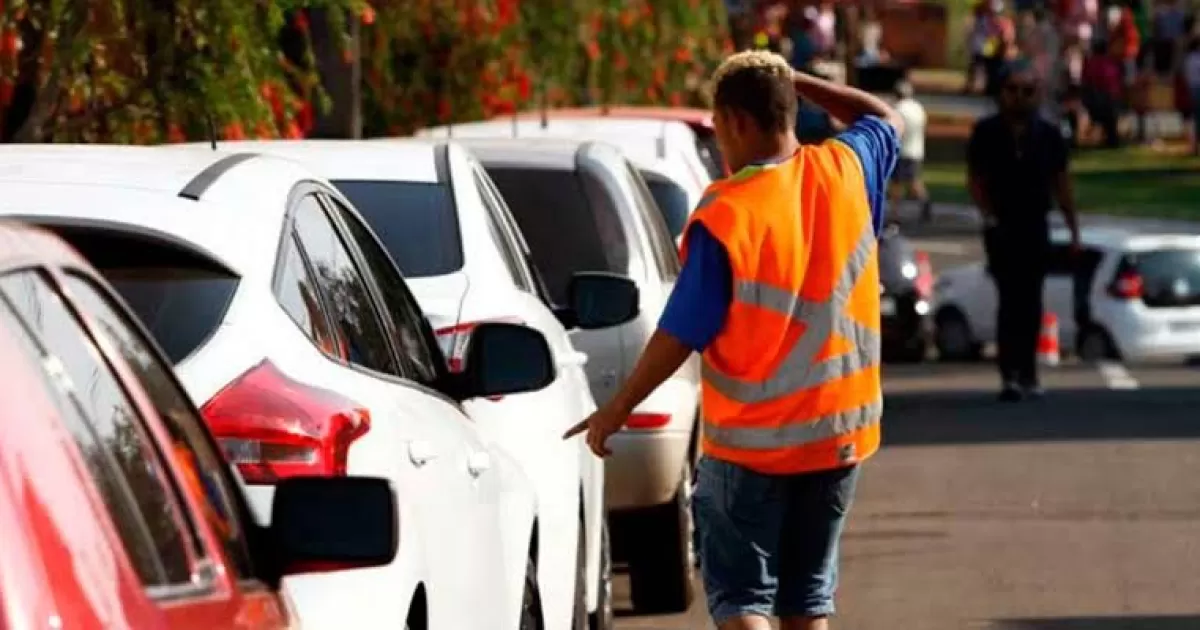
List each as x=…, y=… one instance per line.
x=341, y=76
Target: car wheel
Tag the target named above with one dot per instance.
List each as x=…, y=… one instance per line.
x=603, y=618
x=660, y=562
x=1095, y=345
x=953, y=337
x=531, y=601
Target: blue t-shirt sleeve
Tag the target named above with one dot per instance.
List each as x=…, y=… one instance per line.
x=877, y=146
x=699, y=303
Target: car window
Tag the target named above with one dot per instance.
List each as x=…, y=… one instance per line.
x=297, y=293
x=661, y=240
x=127, y=469
x=179, y=294
x=710, y=155
x=416, y=221
x=672, y=201
x=1170, y=277
x=510, y=251
x=194, y=448
x=344, y=289
x=560, y=225
x=418, y=350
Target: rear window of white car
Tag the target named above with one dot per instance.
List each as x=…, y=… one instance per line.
x=1170, y=277
x=672, y=201
x=416, y=221
x=180, y=294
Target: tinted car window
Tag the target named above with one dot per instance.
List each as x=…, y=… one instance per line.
x=416, y=221
x=105, y=426
x=672, y=202
x=346, y=293
x=417, y=348
x=509, y=250
x=297, y=293
x=554, y=214
x=710, y=155
x=194, y=448
x=180, y=295
x=1170, y=277
x=661, y=239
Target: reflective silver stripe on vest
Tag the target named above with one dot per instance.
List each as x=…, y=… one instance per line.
x=796, y=433
x=799, y=370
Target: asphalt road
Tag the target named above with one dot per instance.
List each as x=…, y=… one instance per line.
x=1077, y=512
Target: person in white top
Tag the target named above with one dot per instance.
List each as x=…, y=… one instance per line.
x=906, y=178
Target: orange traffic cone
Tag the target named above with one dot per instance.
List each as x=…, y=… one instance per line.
x=1047, y=346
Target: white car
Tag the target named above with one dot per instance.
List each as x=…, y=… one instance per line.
x=293, y=331
x=641, y=139
x=676, y=193
x=1126, y=296
x=439, y=216
x=583, y=207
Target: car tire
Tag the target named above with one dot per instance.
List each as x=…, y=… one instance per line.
x=910, y=351
x=531, y=600
x=660, y=559
x=603, y=617
x=953, y=338
x=1095, y=344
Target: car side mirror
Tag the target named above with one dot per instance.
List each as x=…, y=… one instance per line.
x=333, y=523
x=504, y=359
x=602, y=300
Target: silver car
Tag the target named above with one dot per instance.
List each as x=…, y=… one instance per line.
x=583, y=207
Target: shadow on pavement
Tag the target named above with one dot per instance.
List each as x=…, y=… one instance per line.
x=929, y=418
x=1103, y=623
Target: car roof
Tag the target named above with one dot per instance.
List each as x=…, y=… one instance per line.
x=615, y=130
x=140, y=190
x=692, y=116
x=406, y=160
x=544, y=153
x=1123, y=239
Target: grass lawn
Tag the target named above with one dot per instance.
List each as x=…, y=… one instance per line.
x=1136, y=181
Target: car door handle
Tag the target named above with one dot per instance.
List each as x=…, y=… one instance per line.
x=478, y=463
x=420, y=452
x=573, y=359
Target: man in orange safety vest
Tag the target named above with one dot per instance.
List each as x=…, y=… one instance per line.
x=780, y=293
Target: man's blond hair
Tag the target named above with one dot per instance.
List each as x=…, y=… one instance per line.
x=763, y=60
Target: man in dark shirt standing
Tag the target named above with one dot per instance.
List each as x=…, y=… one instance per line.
x=1017, y=168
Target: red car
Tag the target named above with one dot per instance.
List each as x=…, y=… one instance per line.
x=116, y=508
x=700, y=121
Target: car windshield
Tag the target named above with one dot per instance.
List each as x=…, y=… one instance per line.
x=565, y=233
x=416, y=221
x=179, y=294
x=1170, y=277
x=672, y=201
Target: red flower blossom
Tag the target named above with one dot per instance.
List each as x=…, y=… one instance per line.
x=301, y=21
x=444, y=109
x=263, y=131
x=593, y=50
x=305, y=117
x=292, y=131
x=175, y=134
x=676, y=99
x=524, y=86
x=234, y=131
x=368, y=15
x=683, y=54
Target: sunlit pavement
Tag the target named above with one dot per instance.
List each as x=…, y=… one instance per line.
x=1077, y=512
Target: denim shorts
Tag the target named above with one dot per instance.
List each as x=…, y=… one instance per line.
x=768, y=544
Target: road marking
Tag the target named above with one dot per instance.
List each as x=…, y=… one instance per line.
x=941, y=247
x=1116, y=376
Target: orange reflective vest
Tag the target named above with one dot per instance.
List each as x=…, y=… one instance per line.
x=791, y=382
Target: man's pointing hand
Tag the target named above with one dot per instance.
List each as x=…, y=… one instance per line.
x=604, y=422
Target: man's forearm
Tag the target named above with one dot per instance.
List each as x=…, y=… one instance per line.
x=846, y=104
x=662, y=356
x=1065, y=192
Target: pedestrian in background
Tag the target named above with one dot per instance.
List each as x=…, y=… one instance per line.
x=780, y=292
x=1017, y=169
x=907, y=182
x=1191, y=78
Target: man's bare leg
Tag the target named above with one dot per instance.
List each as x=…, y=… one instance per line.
x=804, y=623
x=749, y=622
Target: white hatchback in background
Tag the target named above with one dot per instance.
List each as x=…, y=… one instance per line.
x=292, y=329
x=439, y=216
x=676, y=193
x=1140, y=298
x=643, y=140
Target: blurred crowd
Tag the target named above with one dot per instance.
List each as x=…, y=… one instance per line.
x=1099, y=62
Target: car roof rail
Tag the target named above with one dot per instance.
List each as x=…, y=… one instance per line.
x=195, y=188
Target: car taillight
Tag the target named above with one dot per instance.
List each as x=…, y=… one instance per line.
x=453, y=341
x=924, y=280
x=648, y=420
x=272, y=427
x=1126, y=286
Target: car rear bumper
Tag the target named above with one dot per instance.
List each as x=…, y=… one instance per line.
x=645, y=467
x=909, y=322
x=1159, y=346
